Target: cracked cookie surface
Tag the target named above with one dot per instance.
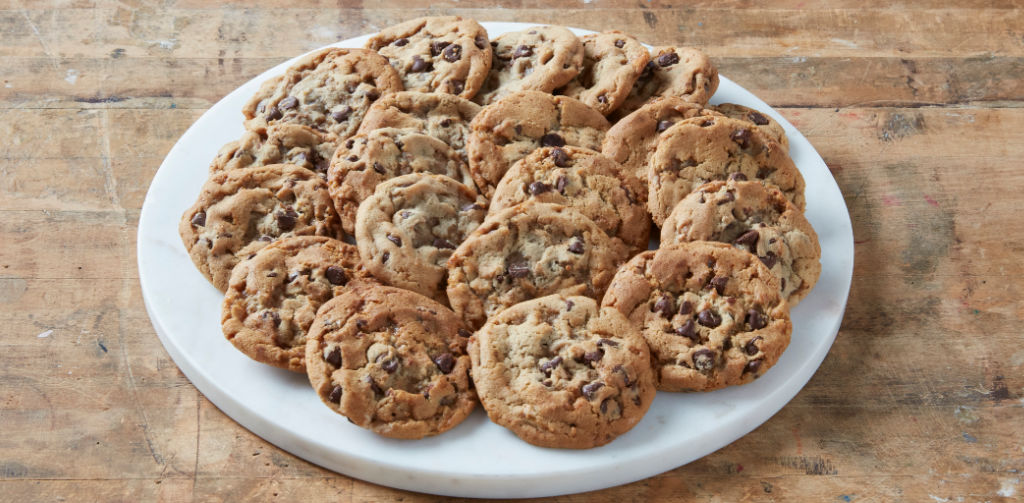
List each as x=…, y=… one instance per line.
x=273, y=297
x=541, y=58
x=391, y=361
x=240, y=211
x=683, y=72
x=712, y=315
x=612, y=61
x=560, y=371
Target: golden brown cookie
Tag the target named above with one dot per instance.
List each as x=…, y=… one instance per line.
x=684, y=72
x=768, y=126
x=612, y=61
x=443, y=116
x=284, y=144
x=541, y=58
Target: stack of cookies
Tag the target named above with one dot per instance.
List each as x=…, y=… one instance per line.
x=441, y=218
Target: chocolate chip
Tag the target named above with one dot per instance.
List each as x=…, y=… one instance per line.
x=568, y=305
x=286, y=220
x=361, y=324
x=620, y=43
x=453, y=53
x=607, y=342
x=373, y=385
x=668, y=59
x=707, y=123
x=292, y=276
x=457, y=86
x=550, y=365
x=590, y=389
x=576, y=246
x=718, y=283
x=401, y=42
x=445, y=122
x=537, y=188
x=729, y=197
x=685, y=307
x=465, y=333
x=352, y=158
x=443, y=243
x=782, y=282
x=480, y=41
x=741, y=137
x=703, y=359
x=604, y=405
x=665, y=305
x=625, y=375
x=561, y=183
x=394, y=239
x=199, y=219
x=522, y=52
x=372, y=94
x=334, y=357
x=764, y=172
x=518, y=269
x=437, y=46
x=748, y=239
x=390, y=365
x=709, y=318
x=593, y=356
x=663, y=125
x=336, y=275
x=273, y=114
x=602, y=98
x=751, y=347
x=384, y=258
x=739, y=177
x=272, y=317
x=559, y=157
x=342, y=114
x=378, y=167
x=688, y=330
x=769, y=259
x=335, y=395
x=272, y=274
x=757, y=118
x=418, y=65
x=752, y=367
x=288, y=103
x=350, y=143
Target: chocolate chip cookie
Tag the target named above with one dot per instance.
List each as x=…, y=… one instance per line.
x=529, y=251
x=410, y=226
x=765, y=124
x=542, y=58
x=240, y=211
x=391, y=361
x=711, y=314
x=612, y=61
x=684, y=72
x=696, y=151
x=585, y=180
x=272, y=297
x=519, y=123
x=632, y=140
x=443, y=116
x=753, y=218
x=561, y=372
x=329, y=90
x=283, y=144
x=367, y=159
x=446, y=54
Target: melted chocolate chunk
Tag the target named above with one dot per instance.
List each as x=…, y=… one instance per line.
x=445, y=362
x=589, y=390
x=718, y=283
x=518, y=269
x=286, y=220
x=480, y=41
x=751, y=347
x=748, y=239
x=342, y=114
x=273, y=114
x=685, y=307
x=576, y=246
x=665, y=305
x=522, y=52
x=552, y=140
x=752, y=367
x=757, y=118
x=550, y=365
x=373, y=386
x=199, y=219
x=394, y=239
x=457, y=86
x=741, y=137
x=620, y=43
x=418, y=65
x=378, y=167
x=593, y=356
x=709, y=318
x=537, y=188
x=607, y=342
x=334, y=357
x=561, y=183
x=668, y=59
x=452, y=53
x=688, y=330
x=769, y=259
x=703, y=360
x=335, y=395
x=401, y=42
x=559, y=157
x=756, y=320
x=288, y=103
x=336, y=275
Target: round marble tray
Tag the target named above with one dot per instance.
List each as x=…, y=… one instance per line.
x=477, y=458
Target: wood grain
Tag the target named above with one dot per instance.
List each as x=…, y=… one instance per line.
x=916, y=109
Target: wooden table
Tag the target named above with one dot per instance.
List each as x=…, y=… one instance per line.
x=916, y=110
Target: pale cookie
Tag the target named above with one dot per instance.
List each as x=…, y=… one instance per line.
x=612, y=61
x=703, y=149
x=409, y=227
x=586, y=181
x=529, y=251
x=443, y=116
x=329, y=90
x=753, y=218
x=391, y=361
x=240, y=211
x=711, y=314
x=273, y=296
x=561, y=372
x=764, y=122
x=365, y=160
x=541, y=58
x=683, y=72
x=284, y=144
x=519, y=123
x=446, y=54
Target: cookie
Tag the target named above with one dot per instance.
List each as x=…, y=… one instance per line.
x=541, y=58
x=443, y=116
x=391, y=361
x=683, y=72
x=562, y=372
x=508, y=130
x=410, y=226
x=586, y=181
x=272, y=297
x=753, y=218
x=612, y=61
x=446, y=54
x=365, y=160
x=712, y=315
x=528, y=251
x=632, y=140
x=696, y=151
x=765, y=124
x=240, y=211
x=328, y=90
x=284, y=144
